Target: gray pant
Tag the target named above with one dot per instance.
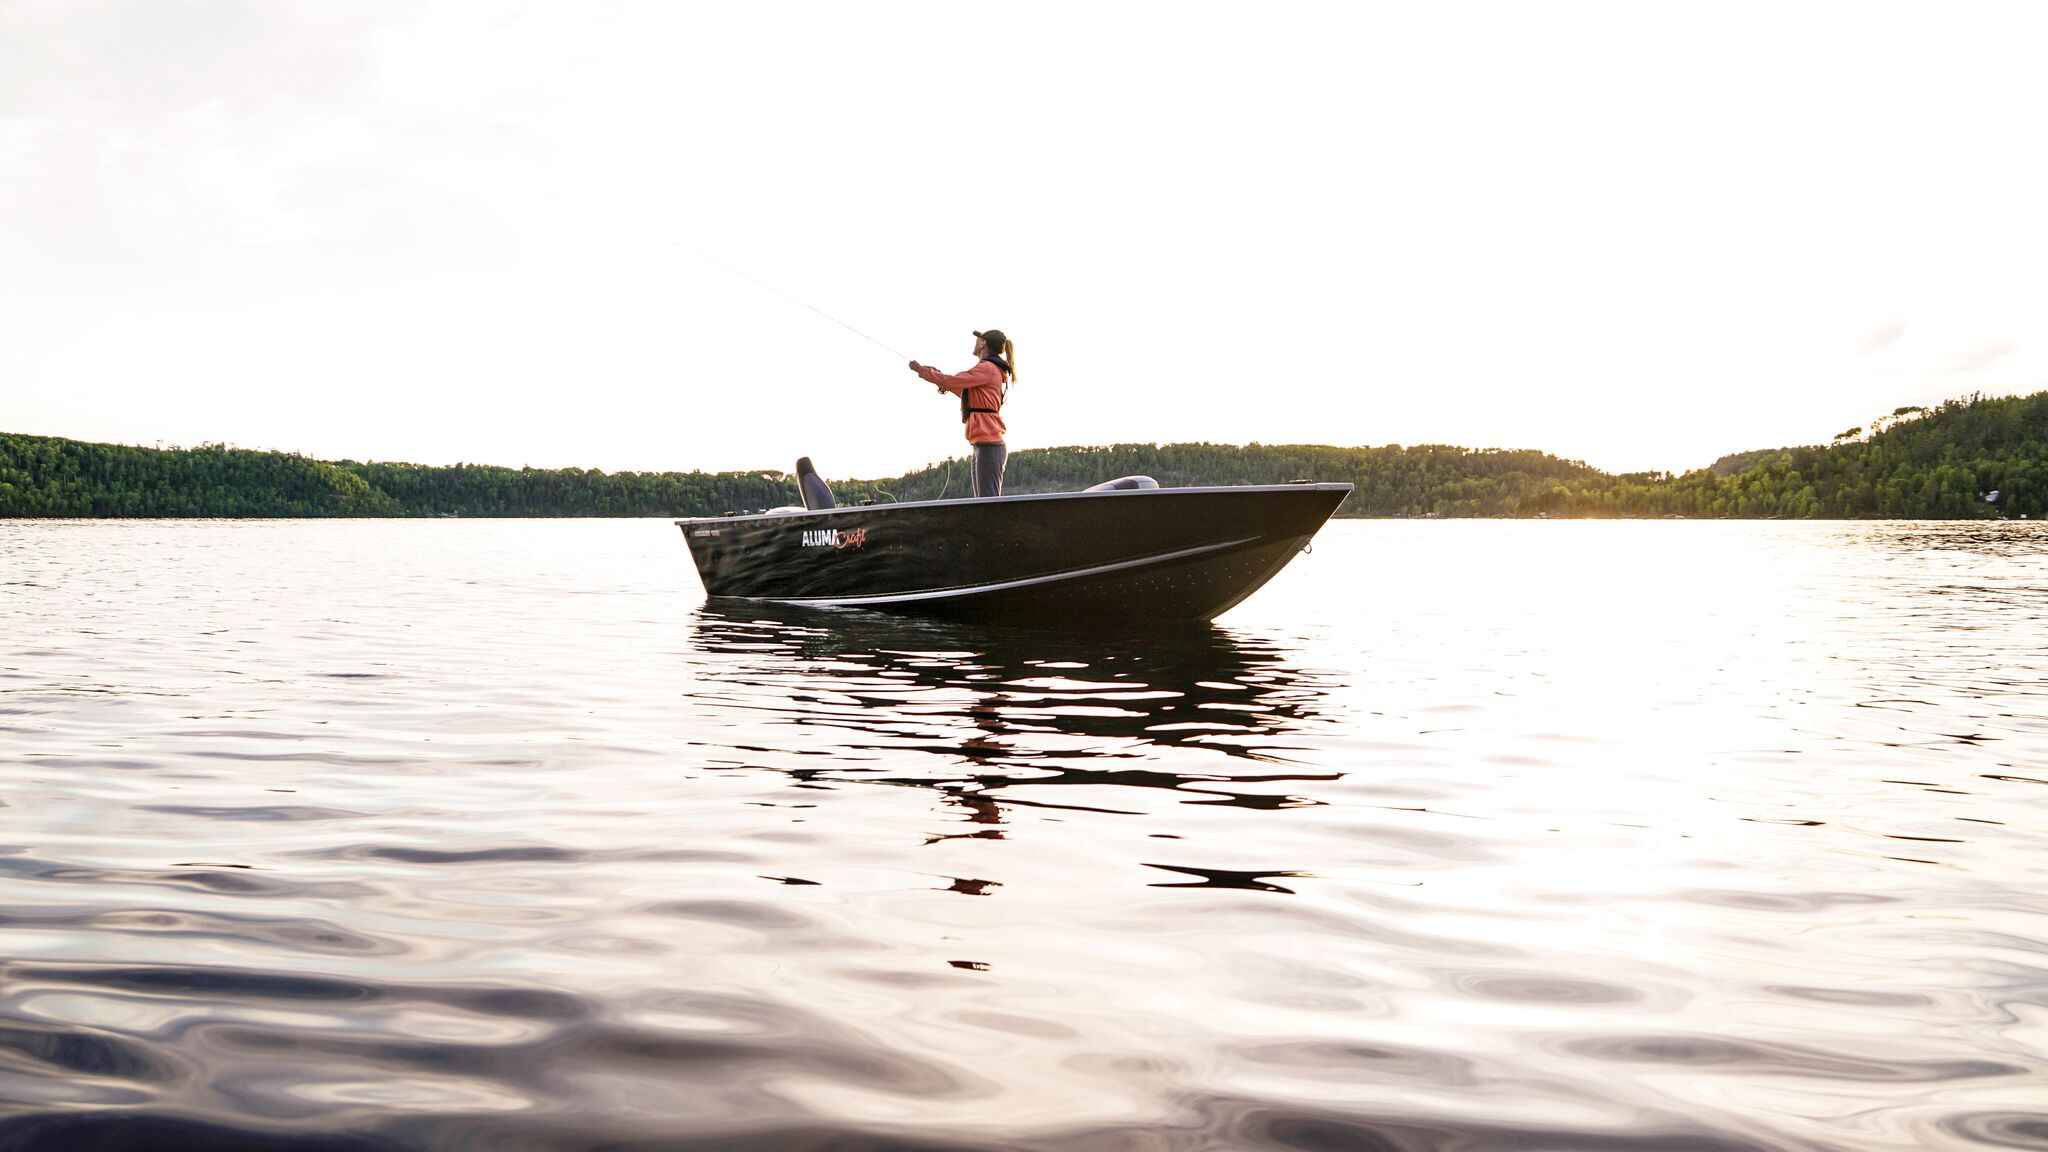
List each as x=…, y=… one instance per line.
x=989, y=460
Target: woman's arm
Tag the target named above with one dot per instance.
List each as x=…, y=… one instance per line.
x=981, y=375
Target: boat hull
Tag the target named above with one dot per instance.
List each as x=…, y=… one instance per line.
x=1160, y=554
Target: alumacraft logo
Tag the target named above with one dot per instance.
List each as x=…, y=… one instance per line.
x=834, y=538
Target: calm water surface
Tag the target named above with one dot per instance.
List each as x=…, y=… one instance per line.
x=1460, y=835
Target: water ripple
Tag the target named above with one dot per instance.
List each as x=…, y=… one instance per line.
x=491, y=835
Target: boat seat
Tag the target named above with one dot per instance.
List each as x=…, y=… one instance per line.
x=817, y=497
x=1123, y=484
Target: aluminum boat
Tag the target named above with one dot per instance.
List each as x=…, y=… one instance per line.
x=1125, y=550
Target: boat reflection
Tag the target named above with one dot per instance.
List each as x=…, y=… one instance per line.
x=989, y=715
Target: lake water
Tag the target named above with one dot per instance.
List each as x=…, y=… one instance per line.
x=1462, y=835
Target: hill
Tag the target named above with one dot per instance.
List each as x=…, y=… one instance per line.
x=1974, y=457
x=47, y=476
x=1425, y=480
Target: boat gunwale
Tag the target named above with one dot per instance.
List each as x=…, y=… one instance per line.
x=1315, y=486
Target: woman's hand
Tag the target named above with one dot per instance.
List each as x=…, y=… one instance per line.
x=916, y=367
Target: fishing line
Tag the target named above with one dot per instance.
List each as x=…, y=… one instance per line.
x=946, y=473
x=788, y=297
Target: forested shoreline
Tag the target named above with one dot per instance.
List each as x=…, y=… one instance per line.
x=1975, y=457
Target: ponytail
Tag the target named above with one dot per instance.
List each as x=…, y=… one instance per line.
x=1010, y=358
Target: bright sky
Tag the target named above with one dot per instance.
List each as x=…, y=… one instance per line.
x=1641, y=235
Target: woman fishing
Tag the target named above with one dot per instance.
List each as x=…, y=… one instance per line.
x=981, y=390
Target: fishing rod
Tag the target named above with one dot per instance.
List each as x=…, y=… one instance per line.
x=946, y=471
x=786, y=296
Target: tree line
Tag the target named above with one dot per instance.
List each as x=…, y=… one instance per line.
x=1974, y=457
x=50, y=477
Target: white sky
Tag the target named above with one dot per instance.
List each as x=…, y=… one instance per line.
x=1641, y=235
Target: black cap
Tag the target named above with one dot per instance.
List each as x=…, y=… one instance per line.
x=994, y=338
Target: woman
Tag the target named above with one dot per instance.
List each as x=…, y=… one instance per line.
x=981, y=390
